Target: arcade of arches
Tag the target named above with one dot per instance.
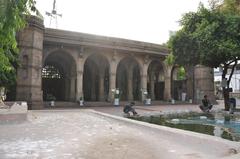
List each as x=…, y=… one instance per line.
x=59, y=77
x=65, y=66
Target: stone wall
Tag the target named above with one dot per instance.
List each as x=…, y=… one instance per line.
x=29, y=80
x=204, y=83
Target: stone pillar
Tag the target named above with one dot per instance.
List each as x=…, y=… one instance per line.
x=79, y=80
x=143, y=80
x=144, y=85
x=167, y=88
x=79, y=90
x=101, y=87
x=130, y=85
x=203, y=83
x=112, y=75
x=29, y=74
x=112, y=85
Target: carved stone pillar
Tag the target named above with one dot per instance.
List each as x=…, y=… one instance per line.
x=79, y=80
x=112, y=76
x=144, y=81
x=112, y=85
x=79, y=90
x=144, y=85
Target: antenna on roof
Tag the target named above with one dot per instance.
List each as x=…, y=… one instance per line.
x=53, y=14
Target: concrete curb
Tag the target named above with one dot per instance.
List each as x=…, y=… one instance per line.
x=14, y=114
x=13, y=118
x=201, y=142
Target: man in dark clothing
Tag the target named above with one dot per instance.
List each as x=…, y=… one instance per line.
x=128, y=108
x=206, y=105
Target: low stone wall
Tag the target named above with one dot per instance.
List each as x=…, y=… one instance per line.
x=234, y=95
x=14, y=113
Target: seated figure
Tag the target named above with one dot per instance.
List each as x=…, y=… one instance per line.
x=206, y=105
x=128, y=108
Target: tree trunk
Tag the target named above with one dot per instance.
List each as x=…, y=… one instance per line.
x=226, y=90
x=226, y=98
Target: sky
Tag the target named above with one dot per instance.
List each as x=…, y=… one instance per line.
x=142, y=20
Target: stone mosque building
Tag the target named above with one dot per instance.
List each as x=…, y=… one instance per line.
x=70, y=65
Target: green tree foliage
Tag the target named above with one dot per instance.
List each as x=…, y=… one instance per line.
x=184, y=45
x=229, y=6
x=210, y=37
x=13, y=15
x=170, y=60
x=181, y=74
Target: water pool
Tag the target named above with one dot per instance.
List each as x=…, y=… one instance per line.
x=221, y=125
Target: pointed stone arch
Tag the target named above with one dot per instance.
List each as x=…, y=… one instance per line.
x=58, y=76
x=96, y=78
x=129, y=79
x=178, y=85
x=156, y=78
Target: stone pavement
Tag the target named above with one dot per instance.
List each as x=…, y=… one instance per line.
x=87, y=134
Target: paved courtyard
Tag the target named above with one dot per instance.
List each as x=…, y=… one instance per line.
x=87, y=134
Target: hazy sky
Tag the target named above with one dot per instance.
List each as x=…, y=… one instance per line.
x=143, y=20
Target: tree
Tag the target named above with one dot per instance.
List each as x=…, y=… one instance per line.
x=169, y=63
x=228, y=6
x=210, y=37
x=219, y=40
x=185, y=49
x=183, y=45
x=13, y=15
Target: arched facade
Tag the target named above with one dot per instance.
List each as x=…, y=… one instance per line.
x=88, y=66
